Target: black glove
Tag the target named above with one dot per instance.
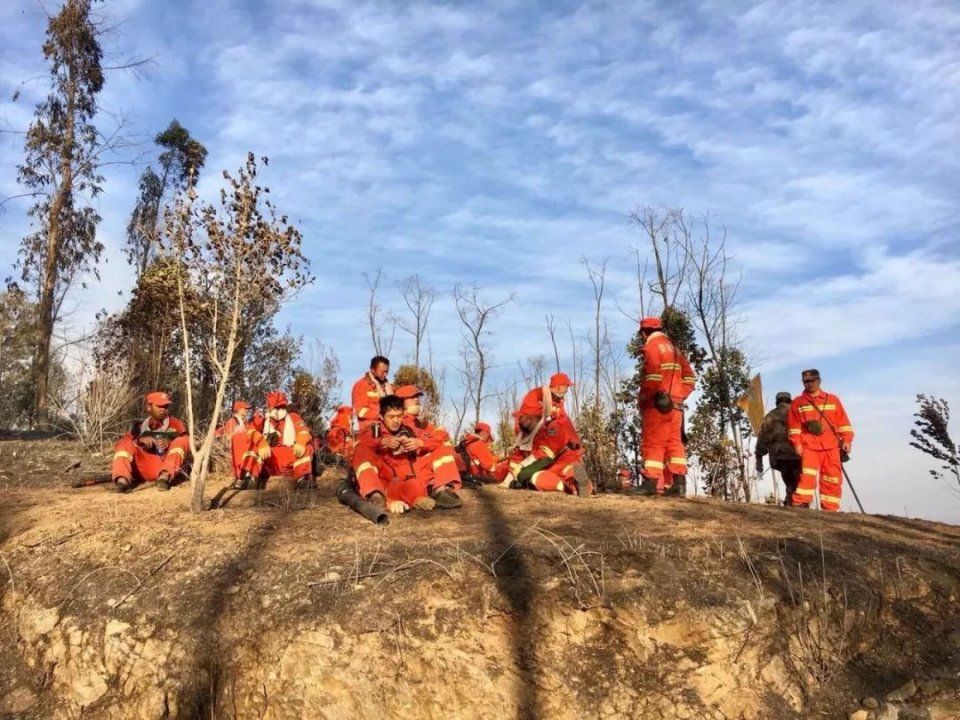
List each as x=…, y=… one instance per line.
x=759, y=464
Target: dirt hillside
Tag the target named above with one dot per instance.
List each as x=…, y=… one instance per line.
x=284, y=604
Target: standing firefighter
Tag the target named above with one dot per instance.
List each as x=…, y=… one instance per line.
x=822, y=435
x=774, y=441
x=668, y=380
x=368, y=390
x=153, y=450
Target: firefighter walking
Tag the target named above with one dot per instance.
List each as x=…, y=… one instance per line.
x=822, y=435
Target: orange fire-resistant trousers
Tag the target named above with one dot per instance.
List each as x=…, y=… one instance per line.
x=399, y=478
x=661, y=446
x=825, y=465
x=559, y=476
x=281, y=461
x=135, y=463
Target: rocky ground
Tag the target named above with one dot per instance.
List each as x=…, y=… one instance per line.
x=284, y=604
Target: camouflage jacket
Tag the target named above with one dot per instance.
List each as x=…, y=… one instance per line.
x=773, y=437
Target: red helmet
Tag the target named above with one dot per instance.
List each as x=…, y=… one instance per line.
x=560, y=379
x=276, y=399
x=481, y=427
x=651, y=323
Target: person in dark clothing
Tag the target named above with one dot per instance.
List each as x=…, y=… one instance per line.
x=773, y=441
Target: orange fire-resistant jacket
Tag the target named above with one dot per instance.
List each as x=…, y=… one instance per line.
x=805, y=412
x=665, y=368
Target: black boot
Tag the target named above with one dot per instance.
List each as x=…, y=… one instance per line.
x=163, y=482
x=647, y=487
x=121, y=485
x=679, y=487
x=446, y=499
x=582, y=480
x=242, y=482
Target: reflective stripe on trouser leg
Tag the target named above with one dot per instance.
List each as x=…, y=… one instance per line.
x=368, y=476
x=809, y=472
x=123, y=453
x=830, y=480
x=442, y=467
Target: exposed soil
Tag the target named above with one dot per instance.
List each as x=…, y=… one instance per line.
x=284, y=604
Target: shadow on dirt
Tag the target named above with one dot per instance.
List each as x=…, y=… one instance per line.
x=514, y=582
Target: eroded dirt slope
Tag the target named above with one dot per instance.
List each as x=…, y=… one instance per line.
x=282, y=604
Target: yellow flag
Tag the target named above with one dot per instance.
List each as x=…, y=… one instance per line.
x=751, y=402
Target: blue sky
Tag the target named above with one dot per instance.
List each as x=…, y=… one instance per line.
x=500, y=142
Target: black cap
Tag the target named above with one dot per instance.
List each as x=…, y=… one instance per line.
x=811, y=373
x=784, y=397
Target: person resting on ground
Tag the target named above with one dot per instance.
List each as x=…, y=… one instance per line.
x=154, y=450
x=400, y=466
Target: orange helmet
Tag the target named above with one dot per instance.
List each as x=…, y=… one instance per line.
x=276, y=399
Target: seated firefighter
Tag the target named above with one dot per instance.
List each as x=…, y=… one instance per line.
x=402, y=466
x=547, y=456
x=339, y=442
x=282, y=447
x=154, y=450
x=773, y=440
x=475, y=455
x=551, y=396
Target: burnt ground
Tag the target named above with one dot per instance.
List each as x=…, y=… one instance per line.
x=282, y=603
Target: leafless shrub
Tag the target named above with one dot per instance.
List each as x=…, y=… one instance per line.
x=96, y=405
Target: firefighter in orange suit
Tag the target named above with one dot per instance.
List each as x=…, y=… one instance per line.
x=233, y=432
x=820, y=432
x=283, y=447
x=368, y=390
x=475, y=455
x=668, y=380
x=154, y=450
x=401, y=467
x=547, y=456
x=339, y=438
x=552, y=395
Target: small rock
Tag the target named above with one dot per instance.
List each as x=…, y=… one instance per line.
x=332, y=576
x=859, y=715
x=116, y=627
x=87, y=690
x=904, y=692
x=17, y=701
x=233, y=589
x=111, y=602
x=126, y=548
x=870, y=703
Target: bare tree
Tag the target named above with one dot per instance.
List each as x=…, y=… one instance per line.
x=551, y=324
x=419, y=301
x=377, y=319
x=598, y=279
x=246, y=252
x=711, y=297
x=665, y=232
x=475, y=314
